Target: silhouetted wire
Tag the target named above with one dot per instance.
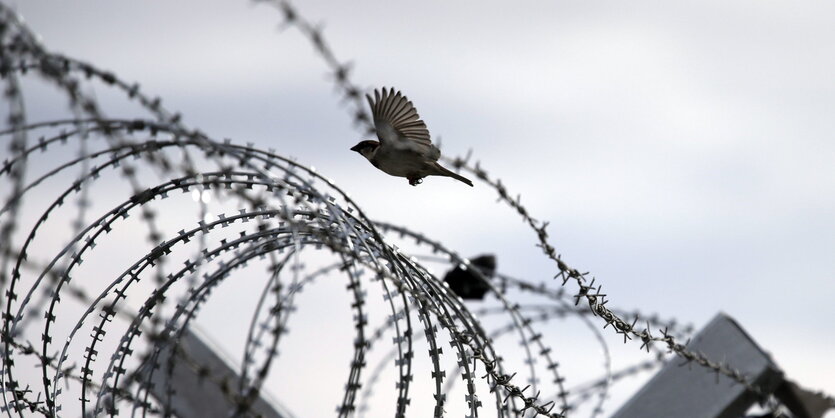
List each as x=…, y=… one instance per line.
x=294, y=210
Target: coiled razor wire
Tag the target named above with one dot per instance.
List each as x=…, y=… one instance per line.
x=100, y=351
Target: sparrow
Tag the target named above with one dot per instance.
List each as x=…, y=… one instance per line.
x=404, y=149
x=466, y=283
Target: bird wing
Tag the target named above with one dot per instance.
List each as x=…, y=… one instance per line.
x=399, y=125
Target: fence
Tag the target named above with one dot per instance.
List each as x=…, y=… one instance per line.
x=97, y=343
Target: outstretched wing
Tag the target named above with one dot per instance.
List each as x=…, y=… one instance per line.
x=398, y=123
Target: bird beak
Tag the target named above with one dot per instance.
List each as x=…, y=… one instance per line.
x=356, y=148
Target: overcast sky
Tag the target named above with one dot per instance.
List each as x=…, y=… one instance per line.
x=683, y=148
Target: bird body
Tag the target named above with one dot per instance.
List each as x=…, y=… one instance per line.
x=404, y=148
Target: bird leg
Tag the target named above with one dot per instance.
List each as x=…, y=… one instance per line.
x=414, y=181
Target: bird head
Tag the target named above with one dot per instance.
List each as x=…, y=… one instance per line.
x=366, y=148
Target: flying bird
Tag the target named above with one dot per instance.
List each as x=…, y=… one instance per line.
x=404, y=149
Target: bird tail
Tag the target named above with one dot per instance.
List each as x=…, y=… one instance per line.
x=444, y=172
